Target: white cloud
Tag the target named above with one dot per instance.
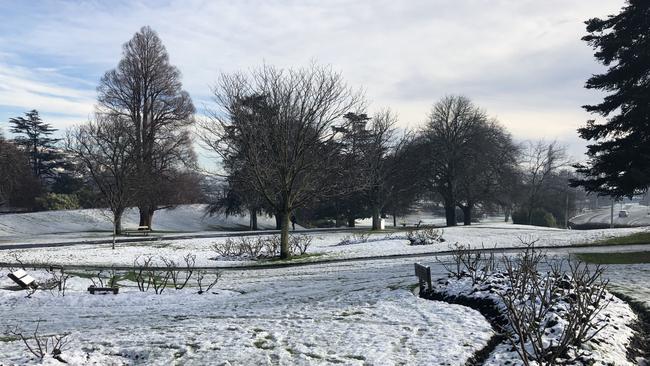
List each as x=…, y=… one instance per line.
x=521, y=60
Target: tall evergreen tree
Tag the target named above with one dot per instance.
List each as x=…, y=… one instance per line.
x=34, y=135
x=619, y=157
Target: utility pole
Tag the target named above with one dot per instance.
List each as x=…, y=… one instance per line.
x=566, y=203
x=611, y=215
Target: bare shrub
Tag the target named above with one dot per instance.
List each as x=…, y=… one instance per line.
x=200, y=276
x=42, y=345
x=532, y=302
x=472, y=263
x=356, y=238
x=425, y=236
x=58, y=280
x=180, y=277
x=300, y=243
x=227, y=248
x=140, y=267
x=105, y=278
x=272, y=246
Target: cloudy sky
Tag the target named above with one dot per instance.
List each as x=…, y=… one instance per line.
x=521, y=60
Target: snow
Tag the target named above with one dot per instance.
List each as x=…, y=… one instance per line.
x=352, y=314
x=326, y=245
x=357, y=312
x=608, y=347
x=184, y=218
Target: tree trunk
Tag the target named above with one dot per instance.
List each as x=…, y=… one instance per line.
x=117, y=222
x=253, y=219
x=394, y=219
x=507, y=214
x=376, y=218
x=285, y=253
x=467, y=214
x=351, y=222
x=117, y=225
x=450, y=214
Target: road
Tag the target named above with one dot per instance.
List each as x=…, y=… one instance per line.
x=637, y=216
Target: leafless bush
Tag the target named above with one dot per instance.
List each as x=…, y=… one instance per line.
x=58, y=280
x=299, y=243
x=140, y=272
x=227, y=248
x=355, y=238
x=99, y=279
x=16, y=257
x=200, y=276
x=42, y=345
x=466, y=262
x=180, y=277
x=253, y=247
x=532, y=302
x=425, y=236
x=272, y=246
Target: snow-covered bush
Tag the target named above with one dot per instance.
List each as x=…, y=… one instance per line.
x=550, y=317
x=259, y=247
x=356, y=238
x=425, y=236
x=471, y=263
x=299, y=244
x=42, y=345
x=58, y=280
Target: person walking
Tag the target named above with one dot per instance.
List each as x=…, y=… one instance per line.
x=293, y=222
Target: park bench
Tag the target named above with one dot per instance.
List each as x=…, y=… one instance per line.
x=94, y=289
x=416, y=225
x=23, y=279
x=423, y=274
x=141, y=230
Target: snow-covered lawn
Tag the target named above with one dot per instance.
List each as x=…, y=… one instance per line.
x=325, y=245
x=356, y=313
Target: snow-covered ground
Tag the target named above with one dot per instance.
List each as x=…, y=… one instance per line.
x=357, y=313
x=184, y=218
x=326, y=245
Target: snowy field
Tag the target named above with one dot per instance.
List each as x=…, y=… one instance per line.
x=96, y=222
x=351, y=313
x=325, y=246
x=357, y=313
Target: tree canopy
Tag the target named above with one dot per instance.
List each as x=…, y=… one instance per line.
x=619, y=154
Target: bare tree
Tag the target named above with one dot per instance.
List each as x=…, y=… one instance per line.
x=453, y=126
x=146, y=90
x=278, y=122
x=485, y=174
x=541, y=161
x=381, y=143
x=103, y=147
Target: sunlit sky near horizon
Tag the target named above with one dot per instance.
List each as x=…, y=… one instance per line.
x=520, y=60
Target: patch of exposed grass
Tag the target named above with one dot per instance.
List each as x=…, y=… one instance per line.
x=296, y=258
x=636, y=238
x=615, y=258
